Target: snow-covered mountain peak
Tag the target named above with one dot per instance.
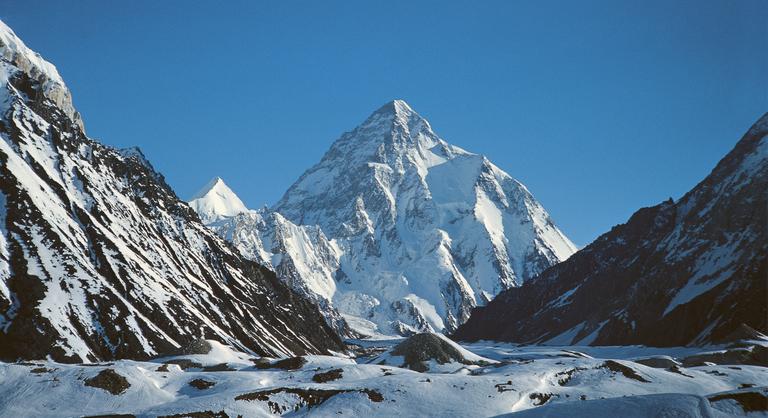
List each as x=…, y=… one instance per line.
x=393, y=128
x=399, y=110
x=216, y=201
x=49, y=82
x=427, y=230
x=208, y=188
x=397, y=107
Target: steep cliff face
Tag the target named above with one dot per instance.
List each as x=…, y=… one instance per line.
x=99, y=259
x=685, y=272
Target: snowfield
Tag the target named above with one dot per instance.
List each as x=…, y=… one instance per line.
x=526, y=381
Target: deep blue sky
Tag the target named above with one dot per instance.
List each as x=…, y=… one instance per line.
x=599, y=107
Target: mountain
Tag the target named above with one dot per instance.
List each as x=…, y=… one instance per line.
x=300, y=255
x=424, y=230
x=216, y=201
x=685, y=272
x=99, y=259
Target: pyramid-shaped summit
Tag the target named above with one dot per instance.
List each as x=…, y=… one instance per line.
x=216, y=201
x=397, y=107
x=395, y=116
x=426, y=229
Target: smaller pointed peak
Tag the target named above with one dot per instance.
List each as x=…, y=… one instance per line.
x=216, y=201
x=214, y=183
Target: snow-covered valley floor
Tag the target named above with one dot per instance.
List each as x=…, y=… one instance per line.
x=504, y=379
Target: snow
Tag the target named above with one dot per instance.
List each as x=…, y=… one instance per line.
x=14, y=51
x=216, y=201
x=365, y=327
x=566, y=337
x=12, y=45
x=300, y=255
x=427, y=310
x=564, y=299
x=589, y=339
x=512, y=385
x=721, y=259
x=643, y=406
x=491, y=217
x=464, y=352
x=711, y=268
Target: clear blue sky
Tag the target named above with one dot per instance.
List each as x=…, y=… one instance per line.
x=599, y=107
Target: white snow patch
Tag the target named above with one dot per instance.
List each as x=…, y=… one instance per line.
x=216, y=201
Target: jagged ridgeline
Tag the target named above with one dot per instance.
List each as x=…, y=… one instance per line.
x=692, y=271
x=99, y=259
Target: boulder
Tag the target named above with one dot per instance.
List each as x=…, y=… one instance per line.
x=109, y=380
x=421, y=349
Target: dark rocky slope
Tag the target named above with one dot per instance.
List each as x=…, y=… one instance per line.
x=685, y=272
x=99, y=259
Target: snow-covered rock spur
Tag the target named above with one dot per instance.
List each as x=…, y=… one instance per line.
x=99, y=259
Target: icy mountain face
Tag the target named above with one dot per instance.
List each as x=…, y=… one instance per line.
x=426, y=230
x=216, y=201
x=685, y=272
x=98, y=257
x=300, y=255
